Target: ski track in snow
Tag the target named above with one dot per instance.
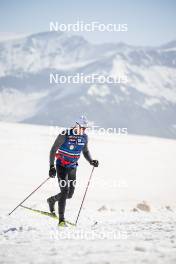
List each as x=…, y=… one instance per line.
x=112, y=235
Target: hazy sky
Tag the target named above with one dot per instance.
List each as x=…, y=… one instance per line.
x=150, y=22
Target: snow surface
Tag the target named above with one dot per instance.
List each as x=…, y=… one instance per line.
x=132, y=169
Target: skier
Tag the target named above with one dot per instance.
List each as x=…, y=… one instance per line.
x=67, y=149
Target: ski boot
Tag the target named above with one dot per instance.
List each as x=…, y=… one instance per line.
x=62, y=223
x=51, y=203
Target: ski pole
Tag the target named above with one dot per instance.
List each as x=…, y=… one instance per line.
x=84, y=195
x=29, y=196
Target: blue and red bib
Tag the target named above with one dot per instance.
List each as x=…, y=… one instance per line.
x=69, y=152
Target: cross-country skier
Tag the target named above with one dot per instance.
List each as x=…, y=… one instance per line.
x=67, y=149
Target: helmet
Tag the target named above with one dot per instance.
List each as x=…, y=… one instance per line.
x=82, y=121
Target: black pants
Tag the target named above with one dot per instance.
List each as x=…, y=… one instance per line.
x=67, y=181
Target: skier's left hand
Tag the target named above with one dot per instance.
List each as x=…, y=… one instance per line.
x=95, y=163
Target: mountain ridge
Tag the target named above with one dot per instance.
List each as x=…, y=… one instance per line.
x=145, y=105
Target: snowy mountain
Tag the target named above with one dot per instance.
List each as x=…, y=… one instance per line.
x=146, y=104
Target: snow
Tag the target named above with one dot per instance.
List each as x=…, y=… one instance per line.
x=101, y=91
x=5, y=36
x=132, y=169
x=151, y=101
x=16, y=105
x=157, y=82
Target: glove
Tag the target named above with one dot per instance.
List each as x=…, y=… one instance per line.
x=52, y=171
x=95, y=163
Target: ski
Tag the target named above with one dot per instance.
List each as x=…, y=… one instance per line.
x=54, y=216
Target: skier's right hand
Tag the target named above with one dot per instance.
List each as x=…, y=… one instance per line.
x=52, y=171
